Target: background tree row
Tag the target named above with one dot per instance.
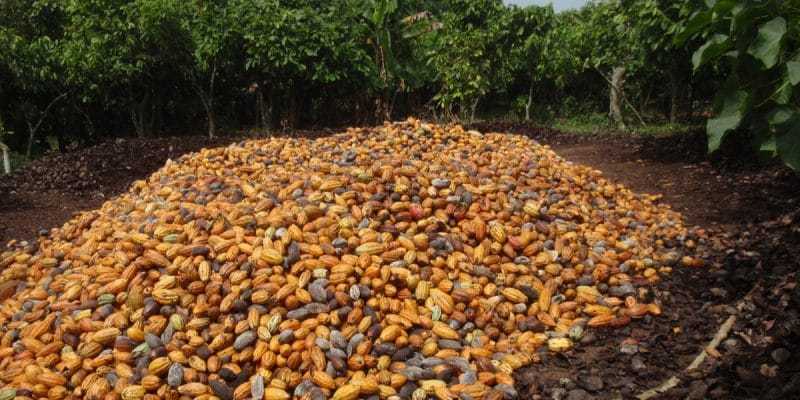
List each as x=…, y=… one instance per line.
x=80, y=70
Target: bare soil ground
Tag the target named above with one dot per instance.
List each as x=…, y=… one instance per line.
x=751, y=210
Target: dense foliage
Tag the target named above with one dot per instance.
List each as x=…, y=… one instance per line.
x=77, y=70
x=759, y=43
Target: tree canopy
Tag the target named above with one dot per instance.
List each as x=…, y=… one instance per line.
x=78, y=70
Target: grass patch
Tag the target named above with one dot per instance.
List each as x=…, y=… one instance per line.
x=594, y=123
x=583, y=124
x=665, y=128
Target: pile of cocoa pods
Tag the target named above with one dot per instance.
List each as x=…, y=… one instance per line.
x=405, y=261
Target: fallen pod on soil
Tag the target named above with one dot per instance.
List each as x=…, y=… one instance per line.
x=406, y=261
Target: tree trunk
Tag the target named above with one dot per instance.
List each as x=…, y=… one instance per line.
x=6, y=158
x=207, y=98
x=529, y=103
x=472, y=110
x=262, y=109
x=616, y=95
x=259, y=108
x=274, y=100
x=382, y=105
x=151, y=123
x=157, y=117
x=86, y=119
x=31, y=135
x=212, y=119
x=293, y=116
x=382, y=112
x=208, y=105
x=674, y=95
x=137, y=120
x=138, y=116
x=212, y=123
x=646, y=99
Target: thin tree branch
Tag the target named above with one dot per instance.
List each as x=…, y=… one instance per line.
x=85, y=116
x=673, y=381
x=200, y=92
x=721, y=334
x=32, y=129
x=47, y=110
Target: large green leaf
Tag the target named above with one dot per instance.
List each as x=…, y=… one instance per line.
x=713, y=48
x=767, y=45
x=733, y=107
x=695, y=24
x=788, y=145
x=793, y=72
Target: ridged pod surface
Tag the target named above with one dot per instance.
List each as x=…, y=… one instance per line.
x=404, y=261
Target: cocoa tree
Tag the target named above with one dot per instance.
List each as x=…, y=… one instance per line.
x=106, y=59
x=613, y=52
x=31, y=48
x=199, y=37
x=759, y=43
x=289, y=48
x=530, y=27
x=470, y=56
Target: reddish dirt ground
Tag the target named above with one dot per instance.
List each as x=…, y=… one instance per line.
x=752, y=212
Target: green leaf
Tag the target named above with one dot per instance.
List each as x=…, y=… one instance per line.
x=767, y=45
x=788, y=145
x=793, y=71
x=780, y=116
x=733, y=107
x=743, y=19
x=715, y=46
x=769, y=146
x=695, y=24
x=724, y=6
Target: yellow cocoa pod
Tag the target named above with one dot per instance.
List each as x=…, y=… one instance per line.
x=498, y=233
x=272, y=256
x=165, y=296
x=370, y=248
x=346, y=392
x=159, y=366
x=273, y=393
x=194, y=389
x=133, y=392
x=51, y=379
x=323, y=380
x=531, y=208
x=444, y=331
x=106, y=335
x=514, y=295
x=559, y=344
x=390, y=333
